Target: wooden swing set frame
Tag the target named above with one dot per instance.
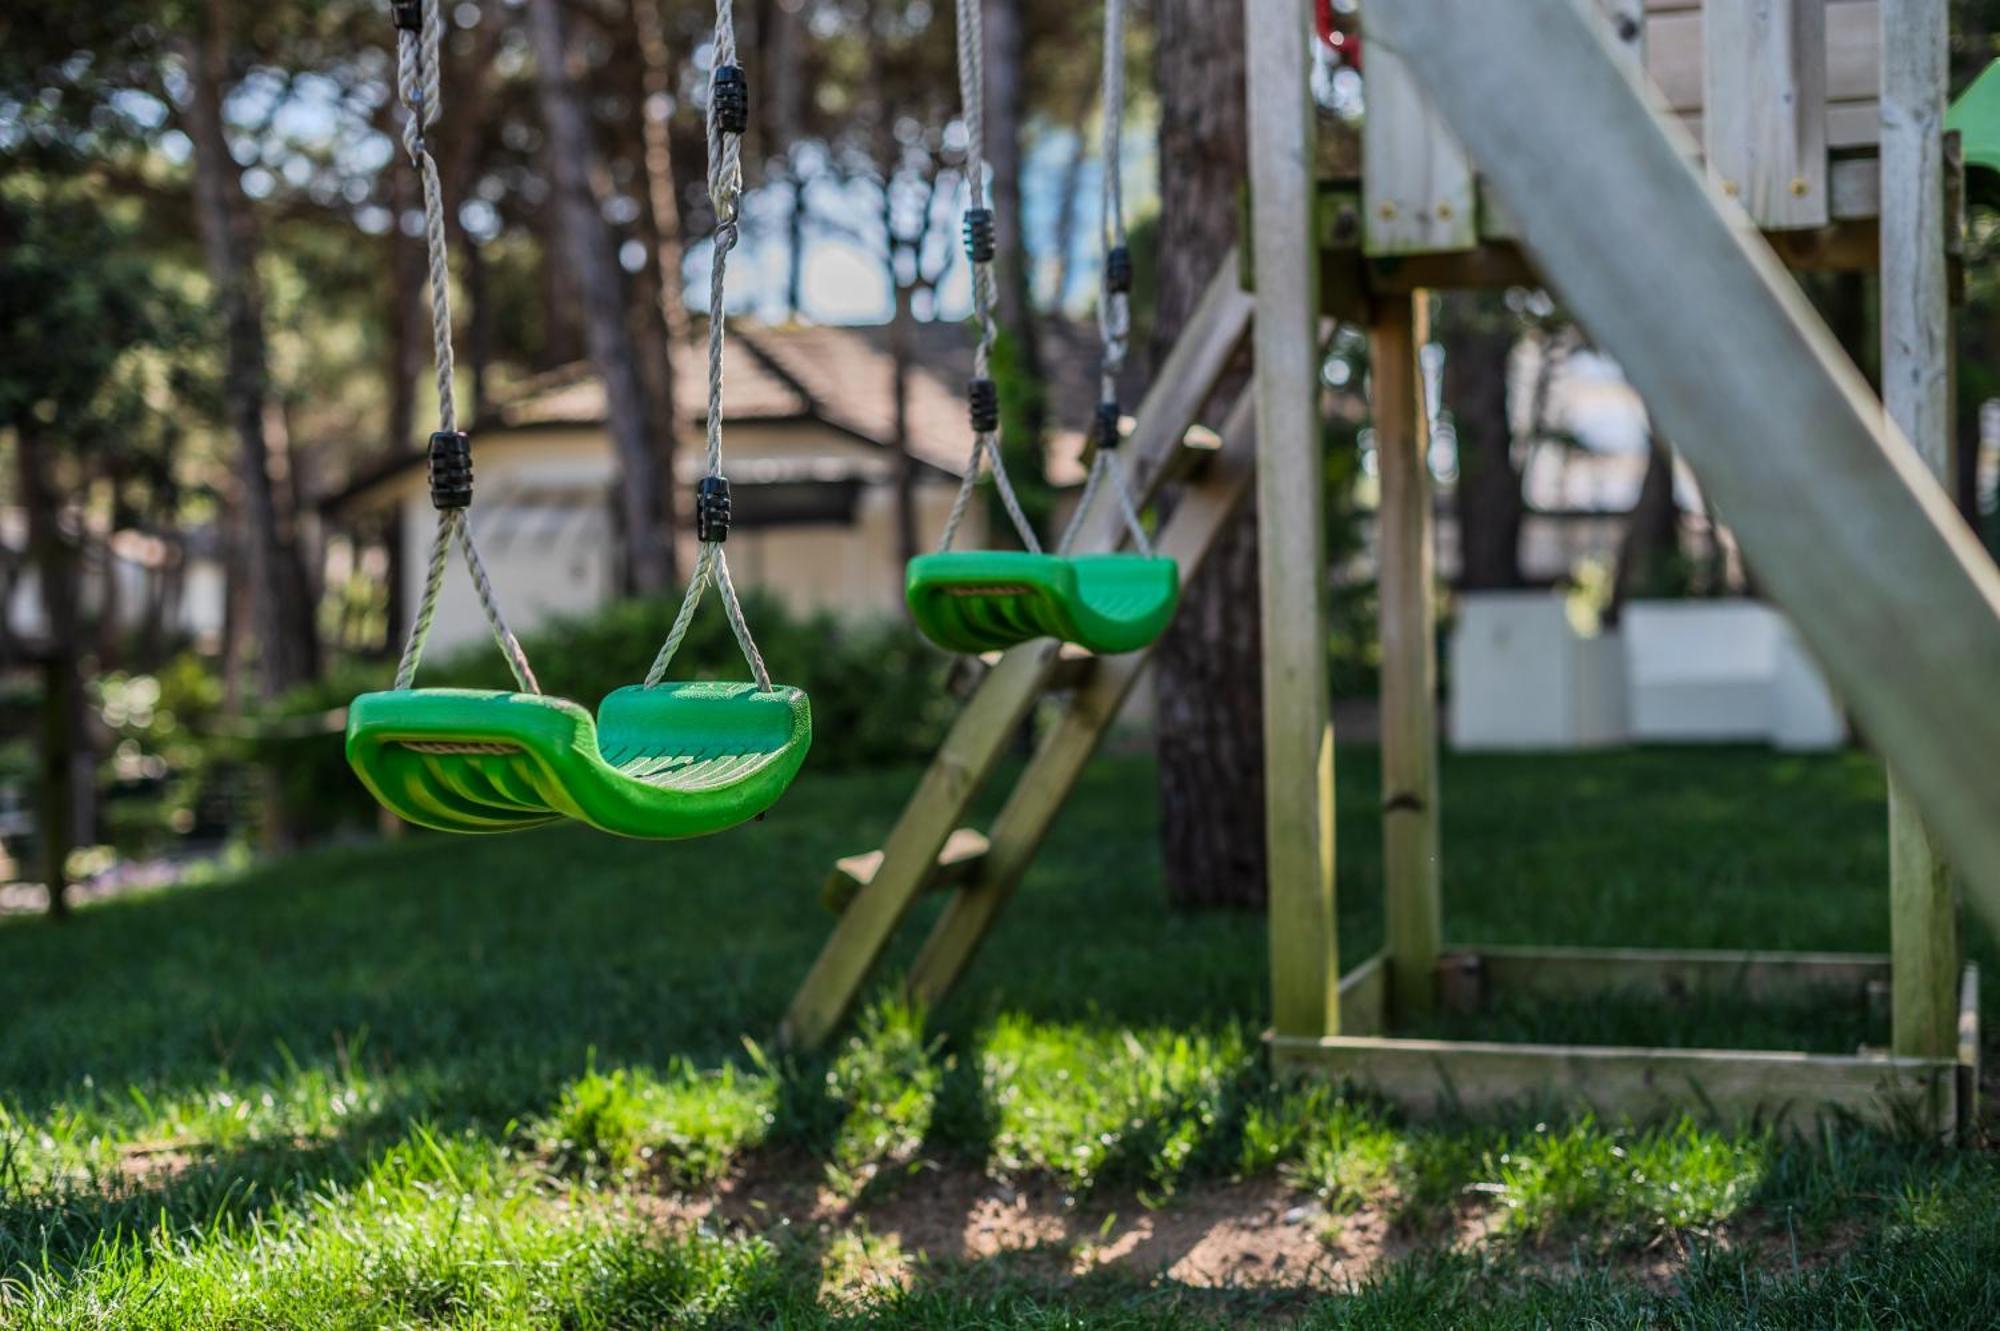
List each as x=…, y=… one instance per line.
x=1821, y=125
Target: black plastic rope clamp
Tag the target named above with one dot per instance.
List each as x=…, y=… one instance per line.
x=979, y=244
x=451, y=470
x=711, y=510
x=1118, y=270
x=731, y=92
x=409, y=14
x=983, y=396
x=1109, y=418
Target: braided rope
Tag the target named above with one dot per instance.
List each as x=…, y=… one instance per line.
x=985, y=287
x=419, y=84
x=1114, y=308
x=725, y=192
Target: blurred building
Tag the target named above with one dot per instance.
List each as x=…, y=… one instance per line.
x=812, y=458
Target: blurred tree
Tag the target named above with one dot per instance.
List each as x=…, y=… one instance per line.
x=593, y=256
x=280, y=605
x=83, y=395
x=1207, y=680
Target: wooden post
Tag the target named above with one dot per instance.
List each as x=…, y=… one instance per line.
x=1411, y=876
x=1298, y=722
x=1916, y=389
x=1848, y=530
x=1764, y=107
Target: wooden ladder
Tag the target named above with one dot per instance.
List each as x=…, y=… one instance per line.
x=929, y=848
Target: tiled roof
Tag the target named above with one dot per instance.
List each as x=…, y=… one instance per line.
x=840, y=374
x=844, y=374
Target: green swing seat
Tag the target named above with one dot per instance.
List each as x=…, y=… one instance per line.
x=658, y=763
x=984, y=600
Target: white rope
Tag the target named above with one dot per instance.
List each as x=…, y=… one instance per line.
x=420, y=86
x=985, y=443
x=1114, y=308
x=725, y=192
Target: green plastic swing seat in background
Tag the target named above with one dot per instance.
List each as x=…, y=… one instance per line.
x=985, y=600
x=658, y=763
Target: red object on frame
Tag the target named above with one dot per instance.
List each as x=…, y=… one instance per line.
x=1343, y=42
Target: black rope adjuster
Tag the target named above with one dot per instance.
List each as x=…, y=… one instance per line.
x=979, y=246
x=1108, y=419
x=983, y=395
x=732, y=100
x=1118, y=270
x=409, y=14
x=451, y=470
x=711, y=510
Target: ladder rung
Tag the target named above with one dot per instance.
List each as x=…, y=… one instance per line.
x=1190, y=458
x=964, y=851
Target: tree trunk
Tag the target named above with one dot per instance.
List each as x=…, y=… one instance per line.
x=782, y=133
x=1652, y=532
x=1001, y=27
x=901, y=354
x=409, y=322
x=65, y=755
x=1477, y=337
x=663, y=320
x=1068, y=196
x=1209, y=665
x=283, y=629
x=588, y=243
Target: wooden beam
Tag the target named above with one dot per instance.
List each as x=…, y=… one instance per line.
x=1763, y=107
x=1916, y=390
x=1407, y=575
x=1045, y=784
x=976, y=740
x=1291, y=485
x=1847, y=529
x=1580, y=972
x=993, y=716
x=1364, y=998
x=1442, y=1076
x=1416, y=178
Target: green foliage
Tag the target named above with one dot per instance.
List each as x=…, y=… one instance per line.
x=172, y=767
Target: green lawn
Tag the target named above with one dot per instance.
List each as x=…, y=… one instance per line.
x=492, y=1083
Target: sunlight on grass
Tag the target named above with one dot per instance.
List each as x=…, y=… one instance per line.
x=1089, y=1105
x=438, y=1229
x=687, y=1124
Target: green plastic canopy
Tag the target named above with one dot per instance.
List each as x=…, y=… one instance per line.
x=662, y=762
x=984, y=600
x=1976, y=117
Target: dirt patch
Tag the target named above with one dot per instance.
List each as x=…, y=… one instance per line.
x=1209, y=1236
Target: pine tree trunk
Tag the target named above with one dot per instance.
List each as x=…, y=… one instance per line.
x=283, y=629
x=65, y=757
x=1001, y=28
x=1068, y=196
x=1208, y=671
x=589, y=245
x=901, y=355
x=1477, y=337
x=1652, y=531
x=663, y=320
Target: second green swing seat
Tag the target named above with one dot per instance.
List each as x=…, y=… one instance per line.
x=658, y=763
x=986, y=600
